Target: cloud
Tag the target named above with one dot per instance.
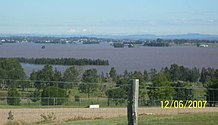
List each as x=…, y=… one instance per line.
x=71, y=31
x=84, y=30
x=195, y=21
x=211, y=20
x=191, y=13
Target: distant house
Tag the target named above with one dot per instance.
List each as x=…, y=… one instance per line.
x=130, y=45
x=203, y=45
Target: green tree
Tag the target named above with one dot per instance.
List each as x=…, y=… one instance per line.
x=11, y=69
x=90, y=78
x=46, y=74
x=126, y=74
x=194, y=75
x=72, y=74
x=212, y=90
x=13, y=97
x=152, y=73
x=52, y=95
x=113, y=74
x=35, y=96
x=24, y=84
x=33, y=75
x=184, y=74
x=160, y=88
x=117, y=95
x=182, y=91
x=43, y=77
x=102, y=78
x=57, y=75
x=145, y=76
x=206, y=75
x=174, y=72
x=123, y=83
x=138, y=75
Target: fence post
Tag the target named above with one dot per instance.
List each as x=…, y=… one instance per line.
x=132, y=107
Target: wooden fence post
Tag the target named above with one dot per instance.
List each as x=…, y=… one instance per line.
x=132, y=108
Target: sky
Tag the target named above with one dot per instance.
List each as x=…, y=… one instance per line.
x=158, y=17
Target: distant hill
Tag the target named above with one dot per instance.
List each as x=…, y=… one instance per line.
x=176, y=36
x=134, y=36
x=151, y=36
x=191, y=36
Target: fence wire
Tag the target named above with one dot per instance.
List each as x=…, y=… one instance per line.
x=75, y=107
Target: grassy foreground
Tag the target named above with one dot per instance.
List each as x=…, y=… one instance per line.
x=179, y=119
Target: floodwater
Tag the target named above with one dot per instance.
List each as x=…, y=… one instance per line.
x=131, y=59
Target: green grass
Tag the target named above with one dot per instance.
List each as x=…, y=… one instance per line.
x=71, y=103
x=212, y=45
x=188, y=44
x=179, y=119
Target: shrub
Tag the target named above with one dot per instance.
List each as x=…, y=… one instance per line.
x=53, y=96
x=48, y=118
x=117, y=95
x=77, y=98
x=10, y=116
x=13, y=97
x=35, y=96
x=11, y=120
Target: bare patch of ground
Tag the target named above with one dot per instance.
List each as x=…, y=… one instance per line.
x=32, y=115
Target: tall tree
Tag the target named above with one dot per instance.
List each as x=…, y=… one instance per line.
x=57, y=75
x=43, y=77
x=138, y=75
x=212, y=89
x=46, y=74
x=113, y=74
x=123, y=83
x=13, y=97
x=160, y=88
x=174, y=72
x=10, y=70
x=182, y=91
x=194, y=75
x=184, y=73
x=33, y=75
x=206, y=75
x=57, y=78
x=90, y=78
x=72, y=74
x=145, y=75
x=117, y=95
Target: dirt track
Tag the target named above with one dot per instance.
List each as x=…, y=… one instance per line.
x=32, y=115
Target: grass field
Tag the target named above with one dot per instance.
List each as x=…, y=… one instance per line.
x=176, y=119
x=75, y=113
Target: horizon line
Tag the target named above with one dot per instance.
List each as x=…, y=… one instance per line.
x=105, y=34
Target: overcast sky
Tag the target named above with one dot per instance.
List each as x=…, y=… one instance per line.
x=108, y=16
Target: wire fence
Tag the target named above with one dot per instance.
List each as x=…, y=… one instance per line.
x=157, y=105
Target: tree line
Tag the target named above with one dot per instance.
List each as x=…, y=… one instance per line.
x=51, y=87
x=63, y=61
x=157, y=43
